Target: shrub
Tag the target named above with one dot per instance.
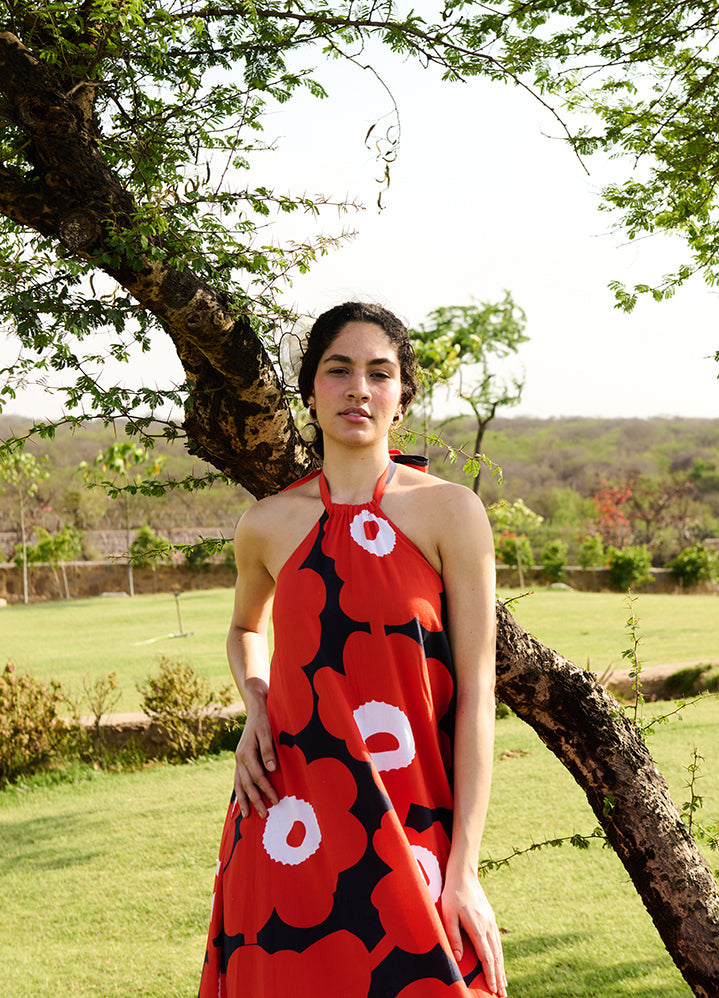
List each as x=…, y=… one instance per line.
x=49, y=549
x=553, y=560
x=591, y=552
x=148, y=548
x=630, y=567
x=31, y=732
x=183, y=703
x=695, y=564
x=513, y=549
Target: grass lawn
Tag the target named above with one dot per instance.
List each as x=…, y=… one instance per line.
x=69, y=640
x=591, y=627
x=106, y=881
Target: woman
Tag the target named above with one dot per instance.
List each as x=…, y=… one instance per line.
x=349, y=855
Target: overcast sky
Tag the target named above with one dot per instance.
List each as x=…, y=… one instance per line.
x=484, y=198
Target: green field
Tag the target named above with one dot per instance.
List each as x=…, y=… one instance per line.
x=590, y=627
x=66, y=641
x=106, y=881
x=106, y=877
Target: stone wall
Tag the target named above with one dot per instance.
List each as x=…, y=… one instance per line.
x=93, y=578
x=590, y=580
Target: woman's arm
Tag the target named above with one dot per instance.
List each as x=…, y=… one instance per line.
x=468, y=572
x=247, y=653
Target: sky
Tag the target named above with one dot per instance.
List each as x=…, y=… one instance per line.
x=483, y=197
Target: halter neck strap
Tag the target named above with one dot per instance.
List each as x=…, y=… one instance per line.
x=382, y=482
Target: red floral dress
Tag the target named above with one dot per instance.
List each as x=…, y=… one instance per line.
x=337, y=891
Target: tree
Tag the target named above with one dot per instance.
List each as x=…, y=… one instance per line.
x=121, y=469
x=641, y=509
x=55, y=549
x=512, y=520
x=464, y=342
x=21, y=475
x=126, y=130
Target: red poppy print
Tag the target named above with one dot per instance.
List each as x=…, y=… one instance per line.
x=402, y=898
x=340, y=958
x=375, y=585
x=389, y=718
x=290, y=697
x=431, y=988
x=309, y=837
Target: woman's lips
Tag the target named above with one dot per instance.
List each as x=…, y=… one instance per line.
x=355, y=415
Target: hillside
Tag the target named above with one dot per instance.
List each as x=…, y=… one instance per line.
x=554, y=465
x=64, y=497
x=538, y=455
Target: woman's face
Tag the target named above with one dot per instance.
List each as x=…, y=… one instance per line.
x=357, y=385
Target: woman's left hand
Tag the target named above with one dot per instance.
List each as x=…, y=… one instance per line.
x=465, y=906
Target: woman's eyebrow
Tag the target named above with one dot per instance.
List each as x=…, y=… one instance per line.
x=341, y=358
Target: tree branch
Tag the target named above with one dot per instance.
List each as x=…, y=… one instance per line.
x=585, y=728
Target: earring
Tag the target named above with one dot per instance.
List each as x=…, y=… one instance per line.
x=310, y=433
x=313, y=413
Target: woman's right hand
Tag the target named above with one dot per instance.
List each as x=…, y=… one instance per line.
x=255, y=758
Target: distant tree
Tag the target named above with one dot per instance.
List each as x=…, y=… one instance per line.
x=465, y=342
x=612, y=523
x=122, y=470
x=20, y=475
x=656, y=503
x=637, y=509
x=55, y=550
x=513, y=520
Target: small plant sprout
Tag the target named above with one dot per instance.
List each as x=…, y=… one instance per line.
x=632, y=654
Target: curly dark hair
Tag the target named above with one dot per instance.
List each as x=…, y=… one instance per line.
x=331, y=323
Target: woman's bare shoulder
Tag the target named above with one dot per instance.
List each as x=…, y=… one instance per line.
x=265, y=514
x=431, y=491
x=270, y=530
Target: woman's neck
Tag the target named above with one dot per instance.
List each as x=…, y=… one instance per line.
x=352, y=474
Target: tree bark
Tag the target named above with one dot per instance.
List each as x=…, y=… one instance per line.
x=603, y=750
x=239, y=420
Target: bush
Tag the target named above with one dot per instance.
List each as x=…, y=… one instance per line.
x=553, y=560
x=513, y=549
x=49, y=549
x=183, y=703
x=629, y=568
x=591, y=552
x=148, y=548
x=695, y=564
x=31, y=733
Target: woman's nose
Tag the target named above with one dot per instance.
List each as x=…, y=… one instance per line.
x=358, y=387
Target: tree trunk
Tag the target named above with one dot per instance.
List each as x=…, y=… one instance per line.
x=582, y=724
x=240, y=421
x=23, y=542
x=128, y=544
